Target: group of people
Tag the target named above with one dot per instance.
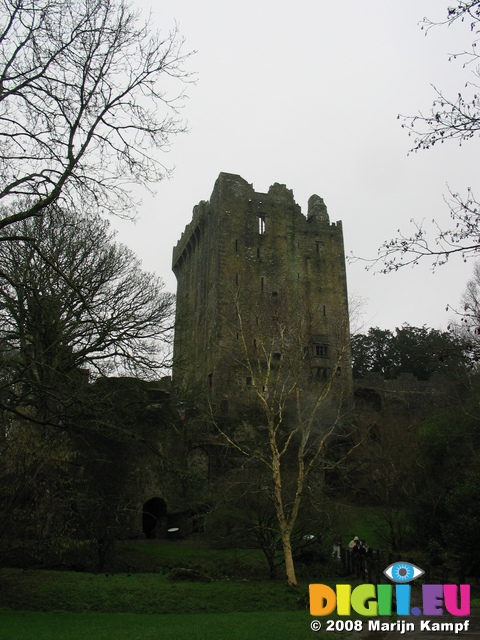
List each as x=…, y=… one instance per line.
x=361, y=556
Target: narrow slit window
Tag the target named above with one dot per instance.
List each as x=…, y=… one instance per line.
x=261, y=224
x=262, y=283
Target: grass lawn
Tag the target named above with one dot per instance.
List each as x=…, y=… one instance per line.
x=28, y=625
x=150, y=556
x=140, y=593
x=73, y=605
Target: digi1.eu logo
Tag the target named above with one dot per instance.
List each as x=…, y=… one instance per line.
x=383, y=599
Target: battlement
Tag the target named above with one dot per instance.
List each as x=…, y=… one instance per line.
x=190, y=236
x=231, y=191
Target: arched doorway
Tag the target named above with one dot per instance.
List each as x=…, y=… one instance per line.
x=153, y=511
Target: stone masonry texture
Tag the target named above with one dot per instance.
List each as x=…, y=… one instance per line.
x=247, y=250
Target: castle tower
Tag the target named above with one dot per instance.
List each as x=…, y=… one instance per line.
x=252, y=254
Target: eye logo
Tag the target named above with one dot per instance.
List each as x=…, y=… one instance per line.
x=403, y=572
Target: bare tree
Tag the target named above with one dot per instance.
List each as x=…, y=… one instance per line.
x=449, y=119
x=74, y=300
x=88, y=96
x=455, y=118
x=299, y=403
x=246, y=509
x=466, y=323
x=435, y=244
x=356, y=312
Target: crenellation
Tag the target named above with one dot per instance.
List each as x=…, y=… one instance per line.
x=200, y=211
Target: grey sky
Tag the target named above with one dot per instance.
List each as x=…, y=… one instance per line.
x=307, y=94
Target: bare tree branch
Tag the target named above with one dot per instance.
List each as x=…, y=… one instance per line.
x=450, y=119
x=87, y=100
x=433, y=243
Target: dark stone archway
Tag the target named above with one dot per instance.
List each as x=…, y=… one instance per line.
x=153, y=512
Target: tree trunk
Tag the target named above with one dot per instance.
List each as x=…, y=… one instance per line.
x=289, y=568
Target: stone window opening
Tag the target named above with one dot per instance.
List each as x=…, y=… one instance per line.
x=261, y=224
x=249, y=381
x=321, y=350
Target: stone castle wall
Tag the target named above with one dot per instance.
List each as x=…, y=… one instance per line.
x=250, y=250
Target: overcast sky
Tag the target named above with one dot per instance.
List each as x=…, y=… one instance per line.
x=307, y=94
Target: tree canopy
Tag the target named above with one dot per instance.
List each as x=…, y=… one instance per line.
x=75, y=305
x=75, y=300
x=417, y=350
